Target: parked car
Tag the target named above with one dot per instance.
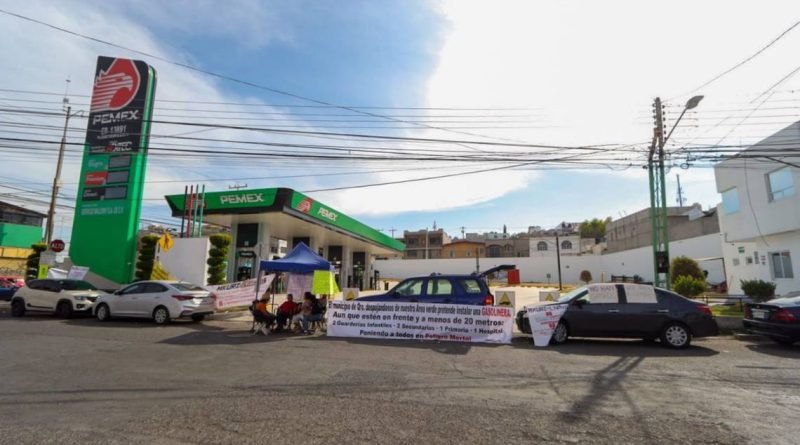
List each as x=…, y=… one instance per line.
x=630, y=310
x=469, y=289
x=16, y=281
x=160, y=301
x=60, y=296
x=778, y=319
x=7, y=289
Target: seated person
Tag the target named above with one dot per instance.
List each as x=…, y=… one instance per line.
x=286, y=311
x=314, y=313
x=262, y=315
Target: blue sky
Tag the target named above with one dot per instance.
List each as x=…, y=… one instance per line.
x=574, y=74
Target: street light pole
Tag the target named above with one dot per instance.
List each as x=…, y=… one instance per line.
x=658, y=193
x=57, y=181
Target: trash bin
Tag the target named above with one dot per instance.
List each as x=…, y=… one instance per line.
x=513, y=277
x=386, y=285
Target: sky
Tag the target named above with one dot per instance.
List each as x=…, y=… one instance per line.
x=491, y=82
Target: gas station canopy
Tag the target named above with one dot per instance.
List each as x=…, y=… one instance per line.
x=290, y=215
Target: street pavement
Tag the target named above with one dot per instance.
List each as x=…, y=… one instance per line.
x=81, y=381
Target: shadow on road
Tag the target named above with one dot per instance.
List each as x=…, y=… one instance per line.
x=625, y=348
x=774, y=349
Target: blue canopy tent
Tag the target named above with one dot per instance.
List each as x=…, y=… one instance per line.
x=300, y=260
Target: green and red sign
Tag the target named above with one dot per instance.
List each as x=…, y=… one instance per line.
x=109, y=203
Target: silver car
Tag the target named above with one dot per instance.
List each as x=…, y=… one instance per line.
x=160, y=301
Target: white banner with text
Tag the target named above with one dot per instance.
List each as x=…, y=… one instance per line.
x=543, y=320
x=240, y=293
x=420, y=321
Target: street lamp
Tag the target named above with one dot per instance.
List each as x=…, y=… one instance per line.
x=658, y=193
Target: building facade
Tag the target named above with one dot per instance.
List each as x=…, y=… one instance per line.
x=424, y=244
x=19, y=228
x=760, y=215
x=636, y=230
x=464, y=249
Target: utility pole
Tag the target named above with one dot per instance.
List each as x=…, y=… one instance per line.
x=462, y=232
x=681, y=199
x=392, y=230
x=658, y=192
x=558, y=262
x=51, y=212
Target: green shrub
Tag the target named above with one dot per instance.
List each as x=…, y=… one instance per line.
x=147, y=254
x=586, y=276
x=218, y=256
x=685, y=266
x=758, y=290
x=689, y=286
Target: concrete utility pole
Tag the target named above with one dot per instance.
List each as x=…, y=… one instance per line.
x=558, y=262
x=681, y=199
x=51, y=212
x=658, y=192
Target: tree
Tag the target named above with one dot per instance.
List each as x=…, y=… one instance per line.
x=594, y=228
x=685, y=266
x=586, y=276
x=217, y=258
x=147, y=254
x=689, y=286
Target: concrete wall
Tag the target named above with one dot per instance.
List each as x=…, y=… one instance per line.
x=632, y=262
x=187, y=260
x=751, y=261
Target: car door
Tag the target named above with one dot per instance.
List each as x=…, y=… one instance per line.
x=152, y=295
x=410, y=290
x=643, y=313
x=439, y=290
x=48, y=296
x=125, y=301
x=596, y=313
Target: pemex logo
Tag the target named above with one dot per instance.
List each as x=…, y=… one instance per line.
x=305, y=205
x=115, y=87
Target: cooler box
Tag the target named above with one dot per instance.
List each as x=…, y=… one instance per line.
x=513, y=276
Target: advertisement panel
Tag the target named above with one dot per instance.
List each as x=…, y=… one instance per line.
x=108, y=207
x=420, y=321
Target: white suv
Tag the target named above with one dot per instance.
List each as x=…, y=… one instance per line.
x=61, y=297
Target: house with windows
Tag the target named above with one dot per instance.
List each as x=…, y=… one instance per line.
x=545, y=245
x=759, y=215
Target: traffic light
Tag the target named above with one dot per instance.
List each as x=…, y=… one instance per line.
x=662, y=262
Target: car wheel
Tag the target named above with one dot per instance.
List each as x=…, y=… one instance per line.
x=17, y=308
x=103, y=313
x=560, y=334
x=676, y=336
x=64, y=310
x=199, y=317
x=161, y=315
x=784, y=341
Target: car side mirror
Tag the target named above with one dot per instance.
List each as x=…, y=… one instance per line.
x=579, y=303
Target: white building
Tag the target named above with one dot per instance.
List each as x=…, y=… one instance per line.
x=546, y=245
x=760, y=214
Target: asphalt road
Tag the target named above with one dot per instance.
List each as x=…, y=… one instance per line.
x=81, y=381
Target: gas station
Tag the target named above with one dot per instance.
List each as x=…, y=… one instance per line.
x=257, y=217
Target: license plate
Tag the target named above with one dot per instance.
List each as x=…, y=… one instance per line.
x=759, y=314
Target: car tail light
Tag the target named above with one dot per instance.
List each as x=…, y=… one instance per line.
x=488, y=300
x=705, y=309
x=784, y=316
x=183, y=297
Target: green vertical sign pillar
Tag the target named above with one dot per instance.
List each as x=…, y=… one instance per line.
x=109, y=203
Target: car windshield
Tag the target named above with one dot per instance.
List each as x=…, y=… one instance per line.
x=571, y=294
x=76, y=285
x=186, y=287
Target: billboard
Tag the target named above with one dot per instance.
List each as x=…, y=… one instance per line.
x=109, y=202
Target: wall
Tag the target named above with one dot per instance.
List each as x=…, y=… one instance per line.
x=535, y=269
x=18, y=235
x=748, y=267
x=13, y=261
x=187, y=260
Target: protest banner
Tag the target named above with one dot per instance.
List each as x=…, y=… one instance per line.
x=543, y=320
x=77, y=272
x=420, y=321
x=240, y=293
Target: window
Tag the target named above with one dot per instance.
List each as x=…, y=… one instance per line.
x=155, y=288
x=136, y=288
x=781, y=265
x=730, y=201
x=76, y=285
x=566, y=245
x=410, y=287
x=541, y=246
x=440, y=286
x=780, y=184
x=470, y=286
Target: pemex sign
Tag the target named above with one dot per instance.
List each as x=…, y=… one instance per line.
x=109, y=202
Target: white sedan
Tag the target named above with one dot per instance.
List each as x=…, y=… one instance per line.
x=160, y=301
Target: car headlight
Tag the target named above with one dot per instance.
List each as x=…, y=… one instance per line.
x=81, y=298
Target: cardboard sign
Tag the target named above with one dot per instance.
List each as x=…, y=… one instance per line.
x=543, y=320
x=324, y=283
x=350, y=293
x=603, y=293
x=505, y=298
x=77, y=272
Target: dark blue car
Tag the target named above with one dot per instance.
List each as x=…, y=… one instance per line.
x=7, y=290
x=444, y=289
